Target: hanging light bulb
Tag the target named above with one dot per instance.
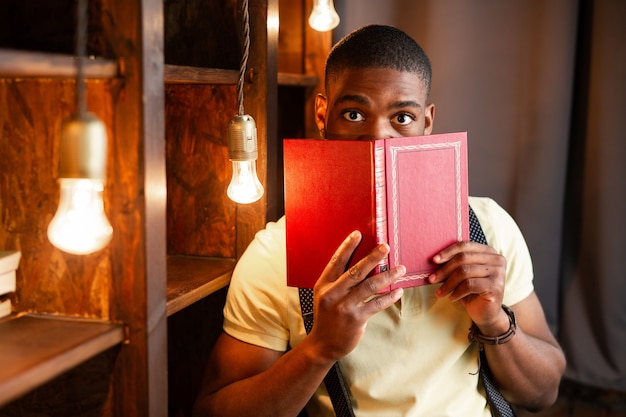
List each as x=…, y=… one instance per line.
x=80, y=225
x=323, y=16
x=245, y=186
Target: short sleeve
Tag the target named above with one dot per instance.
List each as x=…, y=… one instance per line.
x=256, y=304
x=504, y=235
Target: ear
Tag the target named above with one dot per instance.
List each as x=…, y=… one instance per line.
x=429, y=119
x=321, y=103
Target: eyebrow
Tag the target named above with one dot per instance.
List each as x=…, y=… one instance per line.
x=355, y=98
x=352, y=98
x=405, y=103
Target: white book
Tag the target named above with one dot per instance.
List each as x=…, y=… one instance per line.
x=7, y=282
x=9, y=261
x=5, y=308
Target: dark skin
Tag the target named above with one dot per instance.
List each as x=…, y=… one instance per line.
x=527, y=369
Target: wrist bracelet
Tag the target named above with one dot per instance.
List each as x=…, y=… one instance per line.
x=475, y=334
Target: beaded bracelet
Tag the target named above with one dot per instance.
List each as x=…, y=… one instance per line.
x=475, y=334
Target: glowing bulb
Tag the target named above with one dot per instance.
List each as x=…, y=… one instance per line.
x=80, y=225
x=323, y=17
x=245, y=187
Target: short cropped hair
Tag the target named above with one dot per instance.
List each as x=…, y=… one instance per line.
x=379, y=46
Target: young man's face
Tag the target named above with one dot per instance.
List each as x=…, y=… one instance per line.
x=374, y=103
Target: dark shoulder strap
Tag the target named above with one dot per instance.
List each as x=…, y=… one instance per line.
x=475, y=230
x=499, y=406
x=334, y=381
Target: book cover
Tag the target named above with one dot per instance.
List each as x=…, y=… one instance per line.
x=408, y=192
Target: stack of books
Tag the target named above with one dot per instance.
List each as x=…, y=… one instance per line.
x=9, y=261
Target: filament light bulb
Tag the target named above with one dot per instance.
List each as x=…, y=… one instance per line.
x=80, y=225
x=323, y=16
x=244, y=187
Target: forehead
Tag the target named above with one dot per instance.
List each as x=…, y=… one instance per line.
x=376, y=85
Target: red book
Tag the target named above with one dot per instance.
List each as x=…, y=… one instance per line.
x=408, y=192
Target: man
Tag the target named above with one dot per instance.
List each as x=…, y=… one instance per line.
x=404, y=353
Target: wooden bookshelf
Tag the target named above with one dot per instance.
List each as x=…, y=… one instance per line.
x=166, y=91
x=37, y=348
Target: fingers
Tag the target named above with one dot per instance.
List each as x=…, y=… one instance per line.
x=472, y=280
x=337, y=264
x=461, y=247
x=365, y=291
x=355, y=279
x=469, y=269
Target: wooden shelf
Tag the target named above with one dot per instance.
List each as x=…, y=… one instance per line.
x=36, y=348
x=191, y=278
x=177, y=74
x=297, y=80
x=15, y=63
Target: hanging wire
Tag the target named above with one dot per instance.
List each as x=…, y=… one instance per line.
x=244, y=58
x=81, y=47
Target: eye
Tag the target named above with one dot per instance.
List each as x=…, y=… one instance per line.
x=353, y=116
x=403, y=119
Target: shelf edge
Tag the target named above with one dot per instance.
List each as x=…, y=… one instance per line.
x=176, y=304
x=24, y=64
x=179, y=74
x=297, y=80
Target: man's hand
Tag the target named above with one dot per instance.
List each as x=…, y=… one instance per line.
x=474, y=275
x=345, y=300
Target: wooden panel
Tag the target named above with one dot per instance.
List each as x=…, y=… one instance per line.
x=138, y=206
x=202, y=33
x=48, y=280
x=49, y=26
x=291, y=36
x=192, y=332
x=36, y=349
x=200, y=217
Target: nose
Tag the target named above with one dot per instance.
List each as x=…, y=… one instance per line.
x=379, y=128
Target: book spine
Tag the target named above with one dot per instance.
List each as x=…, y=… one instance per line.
x=380, y=199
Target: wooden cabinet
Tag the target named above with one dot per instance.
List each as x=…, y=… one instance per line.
x=95, y=334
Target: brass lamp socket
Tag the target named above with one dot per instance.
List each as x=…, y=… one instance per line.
x=83, y=148
x=242, y=144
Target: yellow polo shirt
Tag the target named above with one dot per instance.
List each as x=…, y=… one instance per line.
x=414, y=358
